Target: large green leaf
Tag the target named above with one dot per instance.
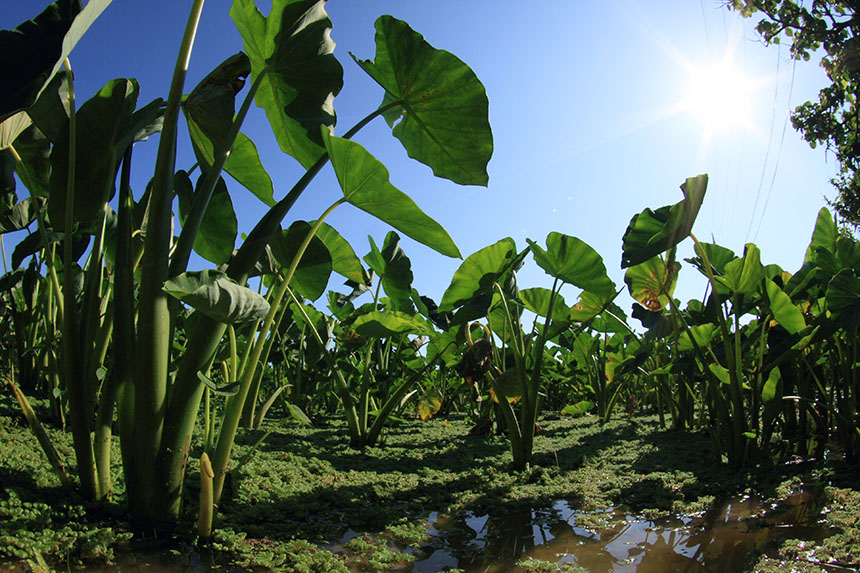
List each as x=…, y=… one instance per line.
x=587, y=307
x=394, y=269
x=293, y=50
x=364, y=182
x=744, y=275
x=32, y=53
x=477, y=273
x=717, y=255
x=314, y=268
x=824, y=235
x=18, y=217
x=537, y=300
x=216, y=237
x=209, y=110
x=784, y=311
x=574, y=261
x=214, y=294
x=106, y=125
x=703, y=335
x=12, y=127
x=344, y=261
x=653, y=232
x=843, y=299
x=383, y=324
x=652, y=283
x=442, y=119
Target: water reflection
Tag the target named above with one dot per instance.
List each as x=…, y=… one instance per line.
x=724, y=539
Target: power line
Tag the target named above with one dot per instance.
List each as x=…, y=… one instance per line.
x=769, y=142
x=779, y=151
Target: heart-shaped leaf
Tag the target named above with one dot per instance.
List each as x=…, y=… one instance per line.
x=575, y=262
x=442, y=118
x=477, y=273
x=293, y=50
x=652, y=283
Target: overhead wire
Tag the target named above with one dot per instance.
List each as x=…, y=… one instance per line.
x=769, y=143
x=779, y=149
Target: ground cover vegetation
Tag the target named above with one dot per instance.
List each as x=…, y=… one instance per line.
x=103, y=320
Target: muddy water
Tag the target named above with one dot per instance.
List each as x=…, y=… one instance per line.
x=728, y=538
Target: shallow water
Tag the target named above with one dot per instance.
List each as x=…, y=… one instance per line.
x=728, y=538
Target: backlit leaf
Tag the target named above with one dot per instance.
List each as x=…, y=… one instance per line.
x=442, y=119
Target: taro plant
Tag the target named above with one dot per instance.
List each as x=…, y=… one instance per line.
x=488, y=278
x=128, y=319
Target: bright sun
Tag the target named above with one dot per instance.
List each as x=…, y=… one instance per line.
x=719, y=97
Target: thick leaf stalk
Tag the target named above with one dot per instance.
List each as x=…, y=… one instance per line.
x=153, y=348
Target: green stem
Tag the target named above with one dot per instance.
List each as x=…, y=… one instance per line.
x=79, y=414
x=154, y=319
x=233, y=409
x=182, y=252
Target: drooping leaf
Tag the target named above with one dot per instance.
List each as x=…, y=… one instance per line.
x=653, y=232
x=575, y=262
x=652, y=283
x=364, y=182
x=429, y=403
x=293, y=49
x=344, y=261
x=384, y=324
x=214, y=294
x=314, y=268
x=442, y=117
x=477, y=273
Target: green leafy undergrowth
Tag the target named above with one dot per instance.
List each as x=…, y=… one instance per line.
x=305, y=501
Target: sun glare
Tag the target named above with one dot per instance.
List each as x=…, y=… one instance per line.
x=719, y=97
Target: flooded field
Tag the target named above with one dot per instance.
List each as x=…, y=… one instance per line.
x=728, y=538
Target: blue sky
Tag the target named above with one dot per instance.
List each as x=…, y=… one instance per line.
x=589, y=105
